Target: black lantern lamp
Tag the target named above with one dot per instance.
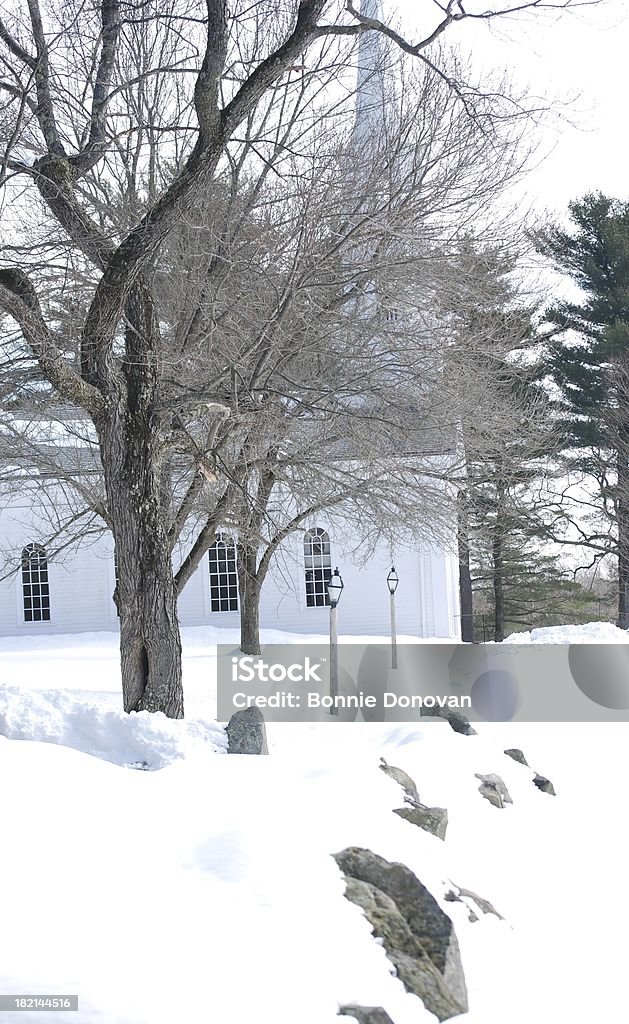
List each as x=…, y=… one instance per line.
x=335, y=588
x=392, y=580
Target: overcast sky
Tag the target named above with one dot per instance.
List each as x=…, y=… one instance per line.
x=582, y=55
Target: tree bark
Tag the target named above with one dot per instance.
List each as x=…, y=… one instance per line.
x=498, y=583
x=150, y=645
x=250, y=587
x=623, y=542
x=465, y=576
x=132, y=453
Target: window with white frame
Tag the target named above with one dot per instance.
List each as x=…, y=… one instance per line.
x=223, y=575
x=317, y=566
x=35, y=587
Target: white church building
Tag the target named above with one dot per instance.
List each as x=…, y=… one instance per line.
x=73, y=591
x=46, y=590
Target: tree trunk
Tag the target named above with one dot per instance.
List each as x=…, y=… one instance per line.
x=150, y=644
x=498, y=584
x=465, y=577
x=623, y=543
x=250, y=588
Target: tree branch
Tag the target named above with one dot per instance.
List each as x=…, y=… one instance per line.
x=54, y=177
x=19, y=299
x=110, y=32
x=185, y=508
x=15, y=47
x=204, y=539
x=139, y=246
x=45, y=107
x=207, y=86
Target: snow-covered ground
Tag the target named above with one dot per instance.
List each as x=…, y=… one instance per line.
x=206, y=890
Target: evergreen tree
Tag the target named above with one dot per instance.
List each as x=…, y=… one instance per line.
x=537, y=590
x=506, y=429
x=589, y=363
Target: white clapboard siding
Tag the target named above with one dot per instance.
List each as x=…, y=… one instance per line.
x=82, y=581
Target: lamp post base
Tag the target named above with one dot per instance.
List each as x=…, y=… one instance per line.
x=334, y=662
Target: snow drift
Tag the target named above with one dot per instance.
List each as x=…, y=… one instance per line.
x=208, y=889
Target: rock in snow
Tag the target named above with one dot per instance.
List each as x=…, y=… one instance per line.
x=455, y=719
x=417, y=935
x=404, y=780
x=516, y=755
x=431, y=819
x=246, y=733
x=493, y=789
x=479, y=902
x=544, y=784
x=459, y=723
x=367, y=1014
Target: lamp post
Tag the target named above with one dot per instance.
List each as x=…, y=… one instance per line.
x=335, y=589
x=392, y=582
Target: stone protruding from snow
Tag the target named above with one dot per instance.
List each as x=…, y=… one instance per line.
x=459, y=723
x=473, y=901
x=367, y=1014
x=544, y=784
x=403, y=780
x=431, y=819
x=455, y=719
x=418, y=937
x=517, y=755
x=246, y=733
x=493, y=789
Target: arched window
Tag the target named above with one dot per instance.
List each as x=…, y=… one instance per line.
x=223, y=576
x=318, y=567
x=35, y=589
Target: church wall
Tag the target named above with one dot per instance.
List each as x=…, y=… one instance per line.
x=82, y=583
x=81, y=580
x=364, y=606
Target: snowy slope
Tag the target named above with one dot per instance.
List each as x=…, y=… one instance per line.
x=206, y=891
x=588, y=633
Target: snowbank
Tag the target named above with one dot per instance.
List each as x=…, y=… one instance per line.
x=140, y=739
x=207, y=890
x=588, y=633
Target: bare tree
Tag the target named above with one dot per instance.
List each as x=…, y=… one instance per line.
x=323, y=336
x=70, y=129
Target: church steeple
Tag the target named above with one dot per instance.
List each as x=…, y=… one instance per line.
x=370, y=99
